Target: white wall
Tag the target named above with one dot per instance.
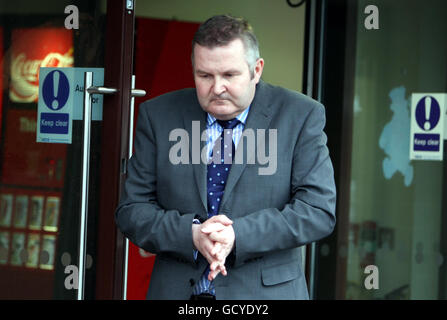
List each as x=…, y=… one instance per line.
x=279, y=28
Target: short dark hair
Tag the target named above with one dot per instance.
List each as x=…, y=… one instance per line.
x=221, y=30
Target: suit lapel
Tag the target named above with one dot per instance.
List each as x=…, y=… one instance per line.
x=194, y=114
x=259, y=117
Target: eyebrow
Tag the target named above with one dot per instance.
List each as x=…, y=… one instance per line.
x=232, y=71
x=199, y=71
x=226, y=71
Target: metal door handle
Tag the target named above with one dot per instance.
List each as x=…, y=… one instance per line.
x=134, y=93
x=88, y=92
x=105, y=90
x=101, y=90
x=137, y=92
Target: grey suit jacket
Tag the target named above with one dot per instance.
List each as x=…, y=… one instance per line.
x=273, y=214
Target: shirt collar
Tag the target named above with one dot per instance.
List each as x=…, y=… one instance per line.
x=241, y=117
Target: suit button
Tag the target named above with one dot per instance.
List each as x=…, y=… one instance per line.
x=192, y=282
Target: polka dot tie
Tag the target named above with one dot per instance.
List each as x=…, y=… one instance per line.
x=219, y=165
x=217, y=174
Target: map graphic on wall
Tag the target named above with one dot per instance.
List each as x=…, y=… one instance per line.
x=394, y=138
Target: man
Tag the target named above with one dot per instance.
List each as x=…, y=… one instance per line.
x=223, y=228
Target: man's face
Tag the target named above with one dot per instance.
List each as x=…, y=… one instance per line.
x=223, y=82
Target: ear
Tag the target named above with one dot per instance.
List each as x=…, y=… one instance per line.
x=258, y=69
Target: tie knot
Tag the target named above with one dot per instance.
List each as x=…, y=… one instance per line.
x=228, y=124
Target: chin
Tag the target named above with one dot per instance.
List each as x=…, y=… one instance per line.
x=221, y=110
x=222, y=116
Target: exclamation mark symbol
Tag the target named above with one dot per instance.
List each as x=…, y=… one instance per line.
x=427, y=125
x=56, y=76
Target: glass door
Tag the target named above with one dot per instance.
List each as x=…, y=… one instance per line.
x=396, y=214
x=41, y=188
x=390, y=241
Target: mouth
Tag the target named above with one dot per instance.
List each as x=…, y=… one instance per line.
x=219, y=100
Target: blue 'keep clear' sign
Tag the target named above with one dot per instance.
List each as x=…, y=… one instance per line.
x=55, y=93
x=61, y=95
x=54, y=120
x=427, y=126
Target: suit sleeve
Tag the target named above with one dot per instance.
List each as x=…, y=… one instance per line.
x=309, y=215
x=139, y=216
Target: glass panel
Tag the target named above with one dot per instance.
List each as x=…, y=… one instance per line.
x=396, y=204
x=40, y=182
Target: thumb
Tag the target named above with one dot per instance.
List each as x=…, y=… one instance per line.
x=221, y=218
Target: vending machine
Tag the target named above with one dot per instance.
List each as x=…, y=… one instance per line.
x=32, y=175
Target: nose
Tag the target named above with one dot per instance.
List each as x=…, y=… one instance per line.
x=219, y=86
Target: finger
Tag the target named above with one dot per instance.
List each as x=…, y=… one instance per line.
x=222, y=255
x=221, y=218
x=213, y=227
x=212, y=253
x=224, y=219
x=224, y=272
x=217, y=265
x=218, y=236
x=214, y=273
x=208, y=257
x=214, y=266
x=216, y=249
x=205, y=246
x=222, y=269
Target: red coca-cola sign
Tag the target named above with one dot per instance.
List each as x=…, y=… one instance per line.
x=32, y=49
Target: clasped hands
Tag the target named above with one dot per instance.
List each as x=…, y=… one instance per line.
x=214, y=239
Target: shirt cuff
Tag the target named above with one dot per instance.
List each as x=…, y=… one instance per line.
x=195, y=252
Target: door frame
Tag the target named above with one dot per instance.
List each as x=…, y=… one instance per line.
x=118, y=70
x=329, y=78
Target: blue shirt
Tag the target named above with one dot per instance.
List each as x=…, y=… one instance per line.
x=214, y=130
